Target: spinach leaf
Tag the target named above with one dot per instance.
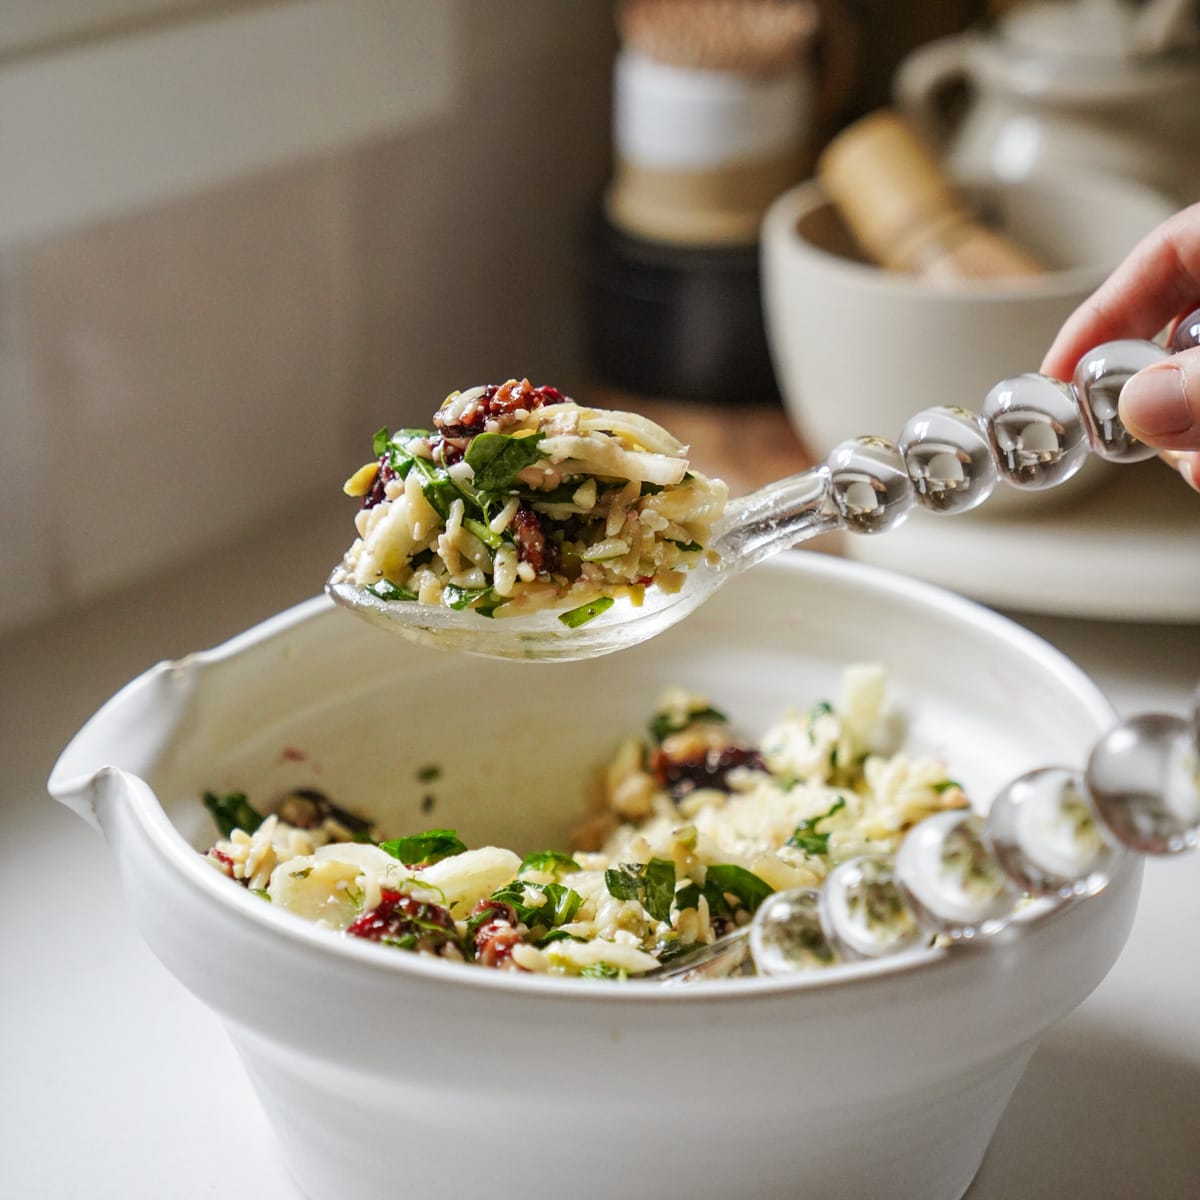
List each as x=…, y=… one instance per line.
x=380, y=441
x=232, y=811
x=805, y=836
x=422, y=849
x=552, y=862
x=665, y=724
x=497, y=459
x=560, y=904
x=652, y=884
x=721, y=881
x=575, y=617
x=385, y=589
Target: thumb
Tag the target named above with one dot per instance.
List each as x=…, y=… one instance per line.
x=1160, y=405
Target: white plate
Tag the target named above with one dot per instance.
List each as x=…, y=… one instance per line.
x=1130, y=550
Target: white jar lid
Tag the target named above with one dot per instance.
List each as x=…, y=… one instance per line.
x=684, y=118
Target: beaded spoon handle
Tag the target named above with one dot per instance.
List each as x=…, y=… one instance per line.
x=1055, y=835
x=1033, y=433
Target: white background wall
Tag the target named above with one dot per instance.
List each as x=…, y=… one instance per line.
x=237, y=238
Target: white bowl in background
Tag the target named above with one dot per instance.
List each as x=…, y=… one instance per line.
x=382, y=1070
x=858, y=349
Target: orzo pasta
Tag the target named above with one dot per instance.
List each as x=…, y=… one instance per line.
x=690, y=828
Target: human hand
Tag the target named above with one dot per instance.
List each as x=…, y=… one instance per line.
x=1156, y=285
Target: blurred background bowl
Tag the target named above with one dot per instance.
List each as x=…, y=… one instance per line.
x=858, y=349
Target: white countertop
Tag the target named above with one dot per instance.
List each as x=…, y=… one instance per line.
x=117, y=1084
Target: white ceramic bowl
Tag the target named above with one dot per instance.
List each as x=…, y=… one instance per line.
x=382, y=1070
x=858, y=350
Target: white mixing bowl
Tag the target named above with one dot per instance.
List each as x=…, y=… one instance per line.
x=386, y=1073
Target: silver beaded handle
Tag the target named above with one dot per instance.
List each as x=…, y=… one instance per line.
x=1055, y=834
x=1033, y=432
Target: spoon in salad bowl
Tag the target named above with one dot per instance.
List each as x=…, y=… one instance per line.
x=1032, y=432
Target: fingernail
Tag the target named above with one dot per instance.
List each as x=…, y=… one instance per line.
x=1155, y=402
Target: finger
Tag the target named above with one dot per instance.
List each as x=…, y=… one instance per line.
x=1157, y=280
x=1160, y=405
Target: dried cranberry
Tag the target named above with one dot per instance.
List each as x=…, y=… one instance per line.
x=492, y=927
x=494, y=402
x=221, y=857
x=377, y=494
x=495, y=942
x=403, y=921
x=709, y=770
x=532, y=545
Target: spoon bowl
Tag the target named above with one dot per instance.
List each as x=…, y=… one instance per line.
x=780, y=515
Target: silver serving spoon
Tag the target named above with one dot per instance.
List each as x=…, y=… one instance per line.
x=1054, y=835
x=1033, y=433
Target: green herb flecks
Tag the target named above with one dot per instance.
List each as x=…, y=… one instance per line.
x=721, y=882
x=385, y=589
x=602, y=970
x=821, y=709
x=460, y=597
x=232, y=811
x=575, y=617
x=652, y=884
x=806, y=837
x=429, y=773
x=424, y=849
x=548, y=862
x=497, y=459
x=666, y=723
x=558, y=905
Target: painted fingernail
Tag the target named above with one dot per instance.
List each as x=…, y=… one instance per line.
x=1155, y=402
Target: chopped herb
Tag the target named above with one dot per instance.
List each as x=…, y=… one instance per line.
x=721, y=881
x=460, y=598
x=686, y=547
x=423, y=849
x=805, y=836
x=497, y=459
x=559, y=906
x=428, y=773
x=602, y=970
x=484, y=533
x=232, y=811
x=385, y=589
x=671, y=948
x=551, y=862
x=575, y=617
x=261, y=893
x=946, y=785
x=651, y=489
x=560, y=935
x=665, y=724
x=821, y=709
x=303, y=873
x=652, y=884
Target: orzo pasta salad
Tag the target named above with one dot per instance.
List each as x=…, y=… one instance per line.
x=520, y=500
x=691, y=826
